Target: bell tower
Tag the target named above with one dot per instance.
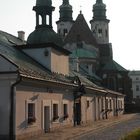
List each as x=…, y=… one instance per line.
x=43, y=11
x=65, y=21
x=99, y=23
x=100, y=29
x=44, y=32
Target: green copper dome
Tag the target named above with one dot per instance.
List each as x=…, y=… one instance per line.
x=43, y=32
x=43, y=2
x=44, y=35
x=99, y=10
x=82, y=53
x=66, y=11
x=99, y=1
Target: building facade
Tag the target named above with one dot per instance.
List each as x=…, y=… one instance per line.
x=92, y=55
x=46, y=83
x=135, y=77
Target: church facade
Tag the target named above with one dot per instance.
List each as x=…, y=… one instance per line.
x=91, y=51
x=54, y=80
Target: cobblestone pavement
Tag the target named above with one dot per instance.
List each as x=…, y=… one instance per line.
x=111, y=129
x=115, y=132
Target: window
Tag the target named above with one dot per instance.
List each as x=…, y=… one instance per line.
x=121, y=105
x=102, y=104
x=40, y=19
x=65, y=32
x=65, y=106
x=99, y=32
x=47, y=19
x=31, y=113
x=106, y=104
x=137, y=88
x=110, y=102
x=55, y=112
x=88, y=104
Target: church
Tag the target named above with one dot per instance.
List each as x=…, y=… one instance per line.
x=54, y=80
x=91, y=52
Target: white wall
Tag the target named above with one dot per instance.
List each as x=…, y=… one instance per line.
x=55, y=61
x=135, y=77
x=41, y=97
x=39, y=55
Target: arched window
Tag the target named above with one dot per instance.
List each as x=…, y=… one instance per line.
x=40, y=19
x=47, y=19
x=99, y=32
x=65, y=32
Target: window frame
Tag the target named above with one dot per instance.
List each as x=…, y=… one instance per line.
x=55, y=115
x=30, y=123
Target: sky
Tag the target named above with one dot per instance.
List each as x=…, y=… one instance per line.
x=124, y=26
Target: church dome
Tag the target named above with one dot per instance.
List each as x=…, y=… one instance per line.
x=43, y=3
x=66, y=11
x=99, y=10
x=44, y=35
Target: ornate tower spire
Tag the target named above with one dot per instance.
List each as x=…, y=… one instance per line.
x=65, y=18
x=99, y=23
x=66, y=11
x=65, y=1
x=99, y=10
x=99, y=1
x=43, y=11
x=100, y=29
x=43, y=32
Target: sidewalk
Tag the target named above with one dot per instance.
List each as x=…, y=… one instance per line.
x=73, y=133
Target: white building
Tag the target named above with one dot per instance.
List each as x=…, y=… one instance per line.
x=135, y=76
x=38, y=91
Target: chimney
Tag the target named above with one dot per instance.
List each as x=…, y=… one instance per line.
x=21, y=35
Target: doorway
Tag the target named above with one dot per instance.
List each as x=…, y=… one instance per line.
x=77, y=112
x=46, y=119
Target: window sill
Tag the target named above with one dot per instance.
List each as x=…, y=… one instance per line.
x=55, y=122
x=32, y=125
x=66, y=120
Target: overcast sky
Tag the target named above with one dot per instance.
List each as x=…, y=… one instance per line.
x=124, y=24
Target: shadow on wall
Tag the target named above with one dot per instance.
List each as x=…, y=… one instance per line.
x=23, y=125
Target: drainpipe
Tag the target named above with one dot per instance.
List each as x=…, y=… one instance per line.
x=106, y=107
x=12, y=106
x=116, y=105
x=74, y=109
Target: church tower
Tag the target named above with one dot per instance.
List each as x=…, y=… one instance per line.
x=99, y=23
x=44, y=32
x=43, y=11
x=65, y=21
x=100, y=29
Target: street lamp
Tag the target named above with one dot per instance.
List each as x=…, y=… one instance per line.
x=78, y=92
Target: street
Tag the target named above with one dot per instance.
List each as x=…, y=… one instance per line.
x=111, y=129
x=114, y=132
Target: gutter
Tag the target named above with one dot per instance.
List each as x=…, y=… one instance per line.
x=106, y=104
x=12, y=109
x=116, y=105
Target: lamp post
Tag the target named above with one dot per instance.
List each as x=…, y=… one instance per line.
x=78, y=93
